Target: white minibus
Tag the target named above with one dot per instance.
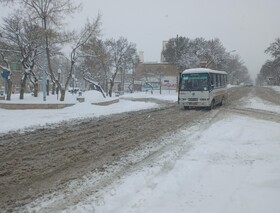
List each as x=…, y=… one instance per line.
x=202, y=87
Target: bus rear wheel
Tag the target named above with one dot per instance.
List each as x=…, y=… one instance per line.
x=222, y=102
x=211, y=105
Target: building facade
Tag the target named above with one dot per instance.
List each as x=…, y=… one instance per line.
x=155, y=76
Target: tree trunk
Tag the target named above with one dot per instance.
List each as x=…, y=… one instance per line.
x=57, y=90
x=36, y=88
x=22, y=87
x=53, y=88
x=106, y=87
x=62, y=94
x=9, y=89
x=48, y=87
x=111, y=88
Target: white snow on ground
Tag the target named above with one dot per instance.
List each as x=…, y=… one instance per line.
x=230, y=86
x=168, y=95
x=20, y=119
x=257, y=103
x=276, y=88
x=229, y=166
x=233, y=166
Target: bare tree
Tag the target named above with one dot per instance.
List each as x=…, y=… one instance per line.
x=51, y=14
x=187, y=53
x=274, y=49
x=270, y=71
x=234, y=66
x=95, y=65
x=176, y=51
x=198, y=52
x=91, y=29
x=94, y=84
x=122, y=54
x=159, y=74
x=20, y=35
x=214, y=53
x=134, y=62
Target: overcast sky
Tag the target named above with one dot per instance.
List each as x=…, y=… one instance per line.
x=247, y=26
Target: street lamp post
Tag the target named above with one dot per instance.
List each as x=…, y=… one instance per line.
x=43, y=60
x=122, y=79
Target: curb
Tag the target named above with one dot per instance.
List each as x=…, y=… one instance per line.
x=106, y=103
x=16, y=106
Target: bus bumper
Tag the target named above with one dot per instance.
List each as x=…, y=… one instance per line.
x=195, y=104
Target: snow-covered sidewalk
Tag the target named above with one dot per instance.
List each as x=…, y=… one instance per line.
x=32, y=119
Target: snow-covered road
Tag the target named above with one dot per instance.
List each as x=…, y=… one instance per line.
x=225, y=160
x=227, y=163
x=233, y=166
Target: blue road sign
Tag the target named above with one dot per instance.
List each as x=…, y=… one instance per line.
x=5, y=74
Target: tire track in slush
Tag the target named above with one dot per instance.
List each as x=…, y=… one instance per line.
x=46, y=160
x=43, y=161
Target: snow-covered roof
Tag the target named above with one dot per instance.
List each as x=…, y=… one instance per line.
x=202, y=70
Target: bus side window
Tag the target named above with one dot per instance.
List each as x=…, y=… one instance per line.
x=217, y=81
x=214, y=80
x=210, y=82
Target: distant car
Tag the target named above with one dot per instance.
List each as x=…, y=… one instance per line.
x=248, y=85
x=74, y=90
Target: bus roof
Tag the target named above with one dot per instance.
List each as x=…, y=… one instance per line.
x=202, y=70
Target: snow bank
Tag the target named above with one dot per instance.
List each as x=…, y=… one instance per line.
x=31, y=119
x=257, y=103
x=276, y=88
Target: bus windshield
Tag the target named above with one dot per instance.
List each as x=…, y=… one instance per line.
x=194, y=82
